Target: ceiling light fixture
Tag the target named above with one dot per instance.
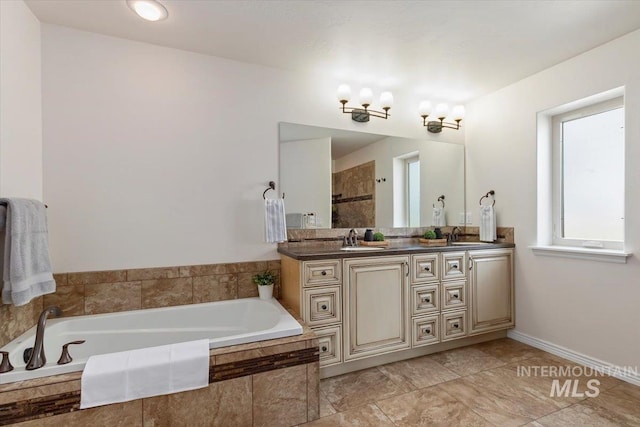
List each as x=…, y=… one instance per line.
x=150, y=10
x=442, y=112
x=366, y=98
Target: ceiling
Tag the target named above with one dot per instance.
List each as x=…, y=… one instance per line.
x=343, y=142
x=443, y=50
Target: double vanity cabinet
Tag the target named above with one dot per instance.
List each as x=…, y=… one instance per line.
x=400, y=302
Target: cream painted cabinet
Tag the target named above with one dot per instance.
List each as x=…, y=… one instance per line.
x=376, y=299
x=491, y=290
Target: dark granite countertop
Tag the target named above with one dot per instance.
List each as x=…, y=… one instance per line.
x=305, y=253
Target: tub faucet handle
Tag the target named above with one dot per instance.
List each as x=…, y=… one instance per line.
x=65, y=357
x=5, y=365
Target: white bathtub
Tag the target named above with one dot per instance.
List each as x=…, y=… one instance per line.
x=223, y=323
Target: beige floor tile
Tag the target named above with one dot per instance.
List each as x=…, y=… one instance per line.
x=493, y=395
x=325, y=407
x=358, y=388
x=420, y=372
x=621, y=404
x=364, y=416
x=429, y=407
x=466, y=360
x=575, y=415
x=508, y=350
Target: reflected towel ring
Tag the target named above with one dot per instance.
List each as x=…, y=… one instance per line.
x=441, y=199
x=272, y=186
x=486, y=196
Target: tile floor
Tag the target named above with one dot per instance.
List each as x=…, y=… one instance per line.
x=472, y=386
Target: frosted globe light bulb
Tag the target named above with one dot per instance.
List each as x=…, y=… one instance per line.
x=425, y=108
x=386, y=100
x=366, y=96
x=458, y=112
x=442, y=110
x=344, y=93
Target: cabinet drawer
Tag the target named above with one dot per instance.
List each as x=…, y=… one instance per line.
x=326, y=272
x=329, y=345
x=426, y=330
x=424, y=299
x=454, y=266
x=454, y=325
x=454, y=295
x=322, y=305
x=425, y=268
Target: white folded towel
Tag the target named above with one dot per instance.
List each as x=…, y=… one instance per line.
x=275, y=225
x=488, y=231
x=135, y=374
x=25, y=265
x=438, y=217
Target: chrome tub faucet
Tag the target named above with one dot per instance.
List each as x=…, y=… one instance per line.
x=38, y=359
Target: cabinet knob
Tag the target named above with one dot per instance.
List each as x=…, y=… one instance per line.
x=454, y=266
x=323, y=306
x=324, y=273
x=427, y=330
x=324, y=348
x=455, y=325
x=427, y=268
x=426, y=299
x=455, y=295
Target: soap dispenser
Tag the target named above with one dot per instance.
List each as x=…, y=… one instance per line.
x=368, y=235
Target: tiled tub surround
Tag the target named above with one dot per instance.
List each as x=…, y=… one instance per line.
x=122, y=290
x=270, y=383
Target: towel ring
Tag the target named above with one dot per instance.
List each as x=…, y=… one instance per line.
x=441, y=199
x=486, y=196
x=272, y=186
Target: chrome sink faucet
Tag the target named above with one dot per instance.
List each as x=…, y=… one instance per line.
x=352, y=240
x=455, y=234
x=38, y=359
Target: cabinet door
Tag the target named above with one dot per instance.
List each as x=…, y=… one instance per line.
x=376, y=295
x=491, y=289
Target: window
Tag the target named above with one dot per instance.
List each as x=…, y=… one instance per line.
x=588, y=176
x=412, y=168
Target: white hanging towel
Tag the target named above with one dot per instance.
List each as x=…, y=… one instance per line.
x=275, y=225
x=438, y=217
x=153, y=371
x=25, y=267
x=488, y=232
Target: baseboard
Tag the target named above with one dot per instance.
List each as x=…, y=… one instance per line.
x=579, y=358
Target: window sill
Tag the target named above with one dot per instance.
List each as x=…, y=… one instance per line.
x=603, y=255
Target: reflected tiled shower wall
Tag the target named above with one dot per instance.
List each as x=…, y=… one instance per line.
x=353, y=194
x=120, y=290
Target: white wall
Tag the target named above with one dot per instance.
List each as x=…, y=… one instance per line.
x=156, y=156
x=305, y=178
x=588, y=307
x=20, y=102
x=441, y=172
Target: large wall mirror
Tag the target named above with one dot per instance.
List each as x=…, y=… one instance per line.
x=335, y=178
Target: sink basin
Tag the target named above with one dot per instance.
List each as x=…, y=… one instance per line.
x=360, y=248
x=469, y=243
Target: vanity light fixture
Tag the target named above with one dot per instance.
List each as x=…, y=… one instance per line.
x=150, y=10
x=441, y=113
x=366, y=98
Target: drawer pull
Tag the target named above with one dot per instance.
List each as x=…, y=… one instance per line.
x=324, y=348
x=455, y=325
x=455, y=295
x=323, y=306
x=427, y=268
x=426, y=299
x=427, y=330
x=324, y=273
x=454, y=266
